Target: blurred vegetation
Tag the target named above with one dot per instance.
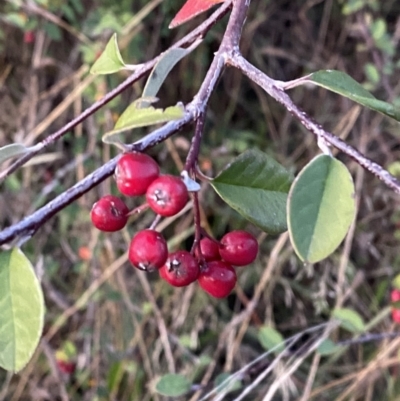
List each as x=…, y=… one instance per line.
x=124, y=329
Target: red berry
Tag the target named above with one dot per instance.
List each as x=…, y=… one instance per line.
x=239, y=248
x=65, y=366
x=148, y=250
x=135, y=172
x=395, y=295
x=209, y=249
x=109, y=213
x=180, y=269
x=167, y=195
x=29, y=36
x=396, y=315
x=218, y=278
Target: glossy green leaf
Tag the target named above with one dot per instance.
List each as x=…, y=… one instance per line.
x=110, y=60
x=270, y=338
x=256, y=186
x=134, y=117
x=22, y=310
x=341, y=83
x=161, y=71
x=12, y=150
x=321, y=208
x=349, y=320
x=173, y=385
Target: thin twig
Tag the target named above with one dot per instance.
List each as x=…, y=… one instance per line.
x=194, y=150
x=24, y=229
x=28, y=226
x=145, y=68
x=273, y=88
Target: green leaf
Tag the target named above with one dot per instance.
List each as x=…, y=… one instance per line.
x=52, y=31
x=372, y=73
x=321, y=208
x=229, y=386
x=378, y=29
x=396, y=281
x=353, y=6
x=349, y=320
x=22, y=310
x=270, y=338
x=328, y=347
x=173, y=385
x=115, y=375
x=256, y=186
x=110, y=60
x=343, y=84
x=134, y=117
x=161, y=71
x=12, y=150
x=17, y=19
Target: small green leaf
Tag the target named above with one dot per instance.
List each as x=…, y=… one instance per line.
x=372, y=73
x=134, y=117
x=256, y=186
x=396, y=281
x=349, y=320
x=270, y=338
x=110, y=60
x=394, y=168
x=341, y=83
x=17, y=19
x=321, y=208
x=352, y=6
x=378, y=29
x=22, y=310
x=173, y=385
x=12, y=150
x=161, y=71
x=231, y=385
x=115, y=375
x=328, y=347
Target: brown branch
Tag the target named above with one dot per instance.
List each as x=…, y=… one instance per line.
x=144, y=69
x=274, y=90
x=228, y=54
x=24, y=229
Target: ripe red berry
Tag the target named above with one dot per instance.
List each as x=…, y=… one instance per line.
x=135, y=172
x=395, y=295
x=109, y=213
x=396, y=315
x=180, y=269
x=209, y=249
x=148, y=250
x=238, y=248
x=29, y=36
x=167, y=195
x=218, y=278
x=65, y=366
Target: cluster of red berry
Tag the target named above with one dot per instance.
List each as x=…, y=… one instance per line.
x=395, y=297
x=211, y=262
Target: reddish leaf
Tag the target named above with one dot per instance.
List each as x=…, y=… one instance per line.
x=191, y=9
